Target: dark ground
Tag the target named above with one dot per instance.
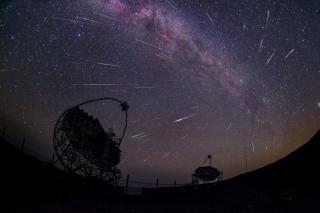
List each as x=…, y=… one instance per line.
x=289, y=185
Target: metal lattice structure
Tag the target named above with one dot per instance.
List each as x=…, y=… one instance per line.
x=82, y=146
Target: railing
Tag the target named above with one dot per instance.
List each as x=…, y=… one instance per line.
x=127, y=183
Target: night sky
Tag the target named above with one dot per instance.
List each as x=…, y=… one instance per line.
x=236, y=79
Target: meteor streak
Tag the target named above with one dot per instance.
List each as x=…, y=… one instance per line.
x=210, y=18
x=64, y=19
x=184, y=118
x=138, y=135
x=289, y=53
x=96, y=84
x=152, y=45
x=109, y=65
x=5, y=70
x=107, y=17
x=270, y=58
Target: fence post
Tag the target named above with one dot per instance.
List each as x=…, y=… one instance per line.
x=157, y=183
x=22, y=144
x=127, y=184
x=3, y=132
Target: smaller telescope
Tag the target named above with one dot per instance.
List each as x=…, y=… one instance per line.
x=206, y=173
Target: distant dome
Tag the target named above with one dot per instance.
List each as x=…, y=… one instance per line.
x=206, y=173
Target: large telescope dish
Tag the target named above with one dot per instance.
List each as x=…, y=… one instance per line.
x=82, y=145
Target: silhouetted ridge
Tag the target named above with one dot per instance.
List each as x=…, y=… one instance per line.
x=297, y=168
x=29, y=185
x=291, y=183
x=288, y=185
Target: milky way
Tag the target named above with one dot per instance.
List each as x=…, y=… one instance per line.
x=171, y=38
x=234, y=79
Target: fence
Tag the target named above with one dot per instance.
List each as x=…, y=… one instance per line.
x=126, y=182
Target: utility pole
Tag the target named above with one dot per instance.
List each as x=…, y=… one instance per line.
x=3, y=132
x=245, y=156
x=127, y=184
x=22, y=144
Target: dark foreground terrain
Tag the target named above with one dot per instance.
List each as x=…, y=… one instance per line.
x=288, y=185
